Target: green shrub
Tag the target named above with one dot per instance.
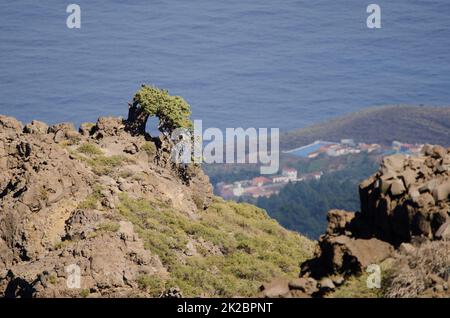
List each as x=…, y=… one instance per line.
x=52, y=279
x=102, y=165
x=140, y=176
x=91, y=201
x=126, y=174
x=61, y=244
x=149, y=147
x=84, y=293
x=152, y=284
x=89, y=149
x=109, y=227
x=356, y=287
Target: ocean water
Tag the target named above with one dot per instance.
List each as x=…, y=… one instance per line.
x=277, y=63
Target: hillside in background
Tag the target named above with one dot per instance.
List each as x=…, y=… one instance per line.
x=303, y=206
x=382, y=125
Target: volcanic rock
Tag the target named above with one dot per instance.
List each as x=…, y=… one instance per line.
x=57, y=209
x=278, y=287
x=36, y=127
x=405, y=196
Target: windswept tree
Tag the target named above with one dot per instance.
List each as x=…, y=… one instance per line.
x=172, y=111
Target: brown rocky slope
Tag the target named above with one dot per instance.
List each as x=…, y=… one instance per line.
x=110, y=205
x=135, y=225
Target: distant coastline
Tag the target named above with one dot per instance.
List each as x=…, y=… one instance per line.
x=378, y=125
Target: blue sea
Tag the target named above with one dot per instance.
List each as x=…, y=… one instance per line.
x=277, y=63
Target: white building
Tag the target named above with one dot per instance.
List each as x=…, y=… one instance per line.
x=238, y=190
x=336, y=150
x=290, y=173
x=287, y=175
x=348, y=142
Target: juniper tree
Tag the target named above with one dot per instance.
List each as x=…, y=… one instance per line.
x=172, y=111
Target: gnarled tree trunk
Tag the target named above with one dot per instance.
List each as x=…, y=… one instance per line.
x=137, y=119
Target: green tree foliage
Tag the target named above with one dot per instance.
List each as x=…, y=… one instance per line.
x=172, y=111
x=230, y=173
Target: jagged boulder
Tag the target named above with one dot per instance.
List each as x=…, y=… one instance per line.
x=86, y=129
x=408, y=197
x=406, y=201
x=36, y=127
x=38, y=185
x=107, y=126
x=104, y=272
x=345, y=256
x=305, y=285
x=173, y=292
x=58, y=201
x=326, y=285
x=10, y=123
x=284, y=288
x=444, y=231
x=277, y=288
x=81, y=224
x=63, y=132
x=339, y=222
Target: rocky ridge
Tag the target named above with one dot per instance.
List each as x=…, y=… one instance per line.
x=45, y=188
x=106, y=204
x=403, y=225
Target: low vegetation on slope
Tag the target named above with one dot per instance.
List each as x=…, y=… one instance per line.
x=411, y=124
x=229, y=250
x=421, y=272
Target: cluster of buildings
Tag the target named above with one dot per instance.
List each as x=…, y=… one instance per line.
x=263, y=186
x=348, y=146
x=412, y=149
x=267, y=186
x=332, y=149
